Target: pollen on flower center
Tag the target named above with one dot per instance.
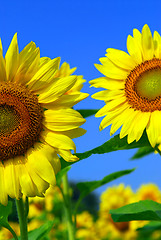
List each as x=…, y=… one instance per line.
x=20, y=120
x=143, y=86
x=149, y=84
x=9, y=120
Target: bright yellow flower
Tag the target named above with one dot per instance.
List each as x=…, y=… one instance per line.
x=84, y=219
x=115, y=197
x=85, y=227
x=36, y=120
x=133, y=87
x=148, y=192
x=108, y=230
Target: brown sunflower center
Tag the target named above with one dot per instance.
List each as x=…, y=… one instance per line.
x=143, y=86
x=20, y=120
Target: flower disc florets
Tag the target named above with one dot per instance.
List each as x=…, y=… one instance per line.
x=20, y=120
x=143, y=86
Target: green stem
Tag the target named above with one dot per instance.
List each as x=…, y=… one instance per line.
x=22, y=219
x=75, y=210
x=68, y=211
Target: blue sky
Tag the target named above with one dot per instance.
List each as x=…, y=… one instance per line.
x=80, y=32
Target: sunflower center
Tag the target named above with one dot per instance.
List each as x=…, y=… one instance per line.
x=143, y=86
x=9, y=120
x=20, y=120
x=149, y=84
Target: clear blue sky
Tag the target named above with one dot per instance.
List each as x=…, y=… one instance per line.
x=80, y=32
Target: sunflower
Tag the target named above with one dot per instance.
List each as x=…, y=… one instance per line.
x=112, y=198
x=149, y=192
x=133, y=87
x=37, y=121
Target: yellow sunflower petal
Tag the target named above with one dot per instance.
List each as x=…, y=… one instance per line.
x=44, y=75
x=2, y=69
x=112, y=71
x=55, y=162
x=62, y=119
x=136, y=130
x=77, y=86
x=65, y=70
x=107, y=95
x=4, y=196
x=58, y=140
x=40, y=183
x=28, y=188
x=12, y=184
x=57, y=89
x=12, y=59
x=138, y=37
x=1, y=49
x=112, y=115
x=74, y=133
x=111, y=106
x=65, y=101
x=107, y=83
x=29, y=61
x=120, y=58
x=134, y=49
x=154, y=128
x=67, y=155
x=147, y=43
x=40, y=164
x=121, y=119
x=43, y=61
x=130, y=115
x=157, y=45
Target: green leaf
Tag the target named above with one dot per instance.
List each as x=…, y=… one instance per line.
x=111, y=145
x=141, y=152
x=87, y=187
x=60, y=174
x=5, y=211
x=87, y=112
x=40, y=232
x=150, y=227
x=143, y=210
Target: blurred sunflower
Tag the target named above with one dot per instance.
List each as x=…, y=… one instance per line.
x=115, y=197
x=148, y=192
x=112, y=198
x=36, y=120
x=133, y=98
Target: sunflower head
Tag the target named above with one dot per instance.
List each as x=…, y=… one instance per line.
x=148, y=192
x=37, y=121
x=132, y=83
x=115, y=197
